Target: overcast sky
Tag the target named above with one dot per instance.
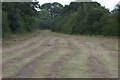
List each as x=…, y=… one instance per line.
x=107, y=3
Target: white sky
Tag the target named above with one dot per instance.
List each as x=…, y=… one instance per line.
x=107, y=3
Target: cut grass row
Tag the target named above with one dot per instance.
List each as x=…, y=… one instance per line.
x=57, y=47
x=12, y=69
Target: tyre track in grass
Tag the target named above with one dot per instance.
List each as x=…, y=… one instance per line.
x=108, y=58
x=112, y=51
x=42, y=70
x=108, y=47
x=23, y=51
x=29, y=68
x=98, y=58
x=19, y=50
x=20, y=45
x=25, y=39
x=26, y=55
x=58, y=65
x=25, y=61
x=16, y=66
x=95, y=65
x=77, y=66
x=96, y=68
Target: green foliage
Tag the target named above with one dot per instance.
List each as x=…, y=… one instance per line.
x=110, y=27
x=44, y=19
x=53, y=8
x=87, y=18
x=20, y=29
x=75, y=18
x=5, y=25
x=19, y=18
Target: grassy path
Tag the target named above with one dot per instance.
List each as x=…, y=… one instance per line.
x=52, y=55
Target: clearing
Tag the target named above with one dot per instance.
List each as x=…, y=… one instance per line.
x=53, y=55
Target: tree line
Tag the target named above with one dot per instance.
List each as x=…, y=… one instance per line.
x=19, y=17
x=88, y=18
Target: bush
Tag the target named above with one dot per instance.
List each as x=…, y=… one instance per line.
x=5, y=25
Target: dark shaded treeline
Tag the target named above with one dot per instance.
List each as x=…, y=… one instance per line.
x=75, y=18
x=19, y=17
x=88, y=19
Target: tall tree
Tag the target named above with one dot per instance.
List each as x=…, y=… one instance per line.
x=54, y=8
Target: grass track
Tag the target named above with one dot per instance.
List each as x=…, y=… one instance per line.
x=53, y=55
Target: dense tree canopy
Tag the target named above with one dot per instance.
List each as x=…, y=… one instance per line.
x=53, y=8
x=87, y=18
x=18, y=18
x=76, y=18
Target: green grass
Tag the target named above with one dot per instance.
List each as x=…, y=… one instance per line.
x=14, y=68
x=16, y=39
x=44, y=66
x=22, y=52
x=76, y=67
x=110, y=65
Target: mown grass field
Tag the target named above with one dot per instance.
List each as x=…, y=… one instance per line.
x=53, y=55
